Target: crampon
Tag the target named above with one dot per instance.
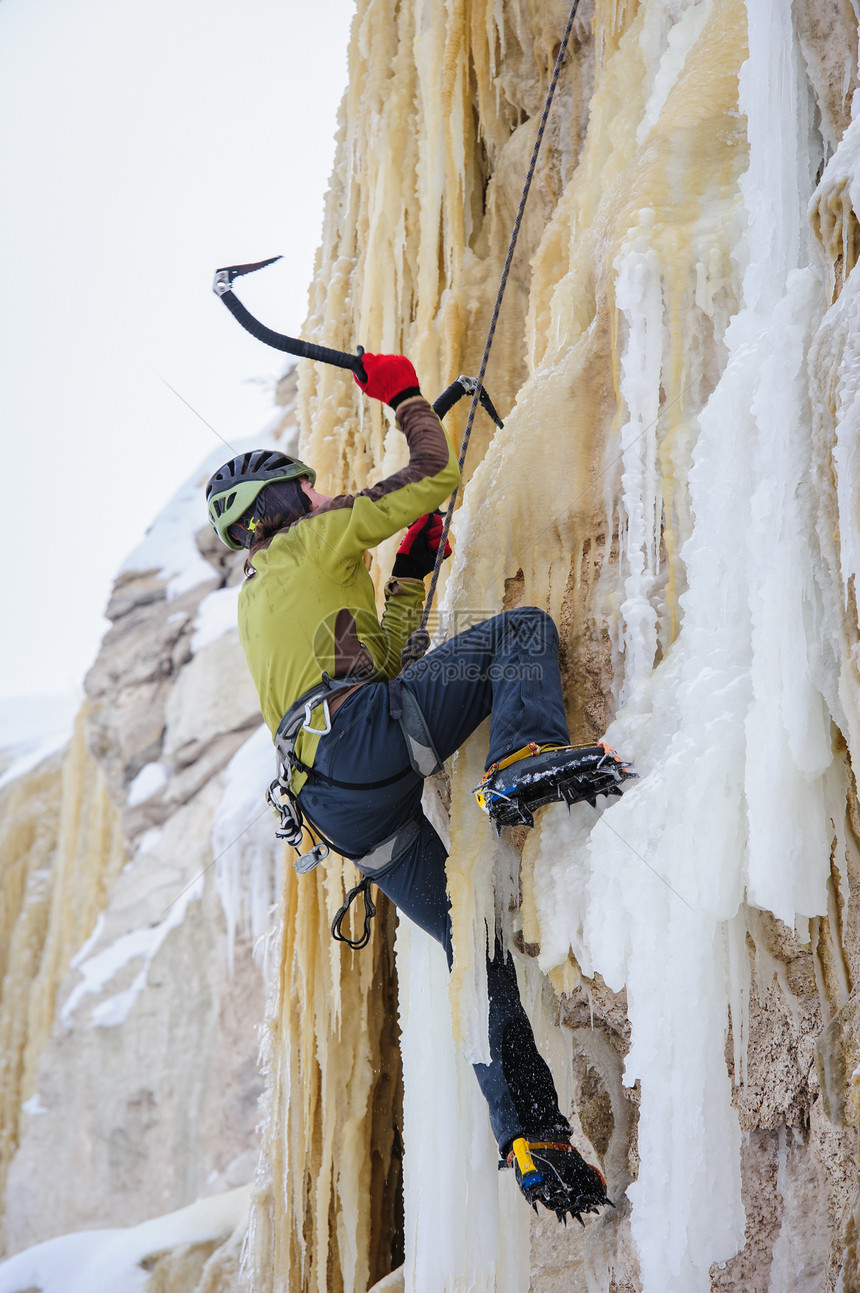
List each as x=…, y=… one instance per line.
x=557, y=1176
x=512, y=789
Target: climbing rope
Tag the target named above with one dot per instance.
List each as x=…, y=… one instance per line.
x=420, y=639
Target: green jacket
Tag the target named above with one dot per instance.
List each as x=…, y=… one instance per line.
x=309, y=606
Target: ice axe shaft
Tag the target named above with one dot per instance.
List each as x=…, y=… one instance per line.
x=223, y=287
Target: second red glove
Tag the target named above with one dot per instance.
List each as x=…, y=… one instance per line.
x=416, y=556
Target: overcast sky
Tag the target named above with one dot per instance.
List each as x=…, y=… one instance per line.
x=141, y=147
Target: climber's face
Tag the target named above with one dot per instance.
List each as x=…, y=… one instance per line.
x=316, y=500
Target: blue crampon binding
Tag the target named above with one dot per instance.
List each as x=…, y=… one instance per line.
x=512, y=789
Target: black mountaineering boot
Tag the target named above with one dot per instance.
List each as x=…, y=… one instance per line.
x=555, y=1174
x=512, y=789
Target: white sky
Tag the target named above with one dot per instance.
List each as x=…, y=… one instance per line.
x=142, y=146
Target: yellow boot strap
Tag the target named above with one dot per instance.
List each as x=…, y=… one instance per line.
x=522, y=1147
x=521, y=1151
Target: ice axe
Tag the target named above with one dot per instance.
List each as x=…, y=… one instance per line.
x=223, y=287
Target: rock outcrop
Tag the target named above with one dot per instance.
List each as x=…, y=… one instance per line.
x=131, y=999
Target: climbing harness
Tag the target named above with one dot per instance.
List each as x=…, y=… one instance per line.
x=279, y=796
x=404, y=709
x=292, y=821
x=310, y=713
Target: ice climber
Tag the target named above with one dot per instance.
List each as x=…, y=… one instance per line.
x=356, y=737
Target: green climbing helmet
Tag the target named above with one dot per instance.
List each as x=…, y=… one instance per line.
x=232, y=492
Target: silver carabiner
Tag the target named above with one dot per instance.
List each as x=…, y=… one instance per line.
x=317, y=731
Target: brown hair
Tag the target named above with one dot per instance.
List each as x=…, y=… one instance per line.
x=279, y=506
x=264, y=532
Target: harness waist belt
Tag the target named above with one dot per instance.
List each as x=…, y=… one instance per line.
x=295, y=718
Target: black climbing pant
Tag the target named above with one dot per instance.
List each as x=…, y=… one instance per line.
x=363, y=788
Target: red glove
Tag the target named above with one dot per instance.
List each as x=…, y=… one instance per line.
x=390, y=378
x=416, y=556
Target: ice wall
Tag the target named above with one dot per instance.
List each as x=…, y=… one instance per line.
x=676, y=484
x=739, y=796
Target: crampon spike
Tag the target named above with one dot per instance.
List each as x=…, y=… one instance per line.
x=557, y=1176
x=536, y=775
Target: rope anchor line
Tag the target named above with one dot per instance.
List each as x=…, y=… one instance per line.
x=421, y=637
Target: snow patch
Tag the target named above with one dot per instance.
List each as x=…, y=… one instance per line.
x=169, y=545
x=151, y=778
x=24, y=719
x=27, y=762
x=110, y=1261
x=83, y=953
x=32, y=728
x=99, y=970
x=217, y=614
